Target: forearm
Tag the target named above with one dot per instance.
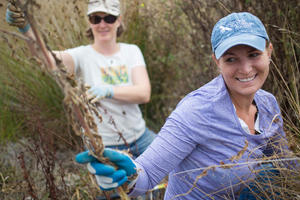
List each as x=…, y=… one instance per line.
x=138, y=94
x=32, y=44
x=169, y=148
x=66, y=58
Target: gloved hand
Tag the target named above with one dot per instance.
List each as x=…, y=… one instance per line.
x=107, y=176
x=100, y=92
x=15, y=17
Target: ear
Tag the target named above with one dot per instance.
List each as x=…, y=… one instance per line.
x=270, y=49
x=213, y=56
x=119, y=20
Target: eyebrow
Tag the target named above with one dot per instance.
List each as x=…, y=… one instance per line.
x=227, y=53
x=251, y=50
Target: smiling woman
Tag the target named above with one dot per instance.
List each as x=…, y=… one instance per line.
x=242, y=52
x=213, y=143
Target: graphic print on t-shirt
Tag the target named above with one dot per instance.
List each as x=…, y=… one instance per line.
x=114, y=75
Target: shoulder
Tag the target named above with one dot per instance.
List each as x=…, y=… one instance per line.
x=210, y=93
x=129, y=47
x=85, y=47
x=79, y=49
x=201, y=104
x=264, y=94
x=267, y=103
x=265, y=98
x=132, y=55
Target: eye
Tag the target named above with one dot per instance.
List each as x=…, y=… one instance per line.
x=254, y=54
x=230, y=59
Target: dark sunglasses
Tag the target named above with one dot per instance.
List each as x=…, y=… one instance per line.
x=96, y=19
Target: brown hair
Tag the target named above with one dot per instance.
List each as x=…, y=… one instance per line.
x=89, y=32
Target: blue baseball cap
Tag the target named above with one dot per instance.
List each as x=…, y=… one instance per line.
x=238, y=28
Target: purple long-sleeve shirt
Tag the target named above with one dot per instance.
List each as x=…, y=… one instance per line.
x=204, y=131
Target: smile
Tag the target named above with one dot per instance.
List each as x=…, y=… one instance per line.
x=246, y=79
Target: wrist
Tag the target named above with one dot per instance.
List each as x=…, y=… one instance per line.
x=133, y=178
x=110, y=92
x=130, y=189
x=24, y=29
x=132, y=183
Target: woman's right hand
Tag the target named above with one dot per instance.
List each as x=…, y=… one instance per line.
x=15, y=17
x=107, y=176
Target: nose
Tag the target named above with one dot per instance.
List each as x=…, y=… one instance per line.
x=102, y=23
x=246, y=67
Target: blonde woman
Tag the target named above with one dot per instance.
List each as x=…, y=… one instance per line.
x=115, y=71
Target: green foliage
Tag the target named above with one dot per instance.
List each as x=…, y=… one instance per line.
x=8, y=124
x=174, y=36
x=28, y=96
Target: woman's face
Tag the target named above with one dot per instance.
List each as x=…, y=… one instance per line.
x=244, y=69
x=104, y=31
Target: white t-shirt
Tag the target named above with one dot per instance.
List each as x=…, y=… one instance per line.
x=97, y=69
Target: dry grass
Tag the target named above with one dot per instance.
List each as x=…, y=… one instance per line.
x=174, y=38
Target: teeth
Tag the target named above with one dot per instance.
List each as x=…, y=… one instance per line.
x=246, y=79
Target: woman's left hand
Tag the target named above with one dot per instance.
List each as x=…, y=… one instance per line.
x=100, y=92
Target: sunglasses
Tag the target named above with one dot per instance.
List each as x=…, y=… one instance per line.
x=96, y=19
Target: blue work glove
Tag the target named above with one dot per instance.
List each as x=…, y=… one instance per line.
x=107, y=176
x=100, y=92
x=15, y=17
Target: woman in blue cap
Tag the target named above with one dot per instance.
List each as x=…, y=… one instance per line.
x=115, y=72
x=212, y=145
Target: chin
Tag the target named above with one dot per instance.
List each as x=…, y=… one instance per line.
x=244, y=91
x=103, y=36
x=102, y=39
x=249, y=92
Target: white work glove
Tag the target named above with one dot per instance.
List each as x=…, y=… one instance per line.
x=100, y=92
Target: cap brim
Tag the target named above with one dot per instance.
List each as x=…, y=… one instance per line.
x=254, y=41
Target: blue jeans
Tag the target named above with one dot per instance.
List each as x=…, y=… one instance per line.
x=137, y=147
x=254, y=189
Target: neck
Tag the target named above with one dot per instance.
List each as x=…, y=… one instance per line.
x=242, y=104
x=106, y=48
x=245, y=110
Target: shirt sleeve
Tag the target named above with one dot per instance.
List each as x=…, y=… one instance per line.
x=168, y=149
x=176, y=140
x=75, y=53
x=136, y=57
